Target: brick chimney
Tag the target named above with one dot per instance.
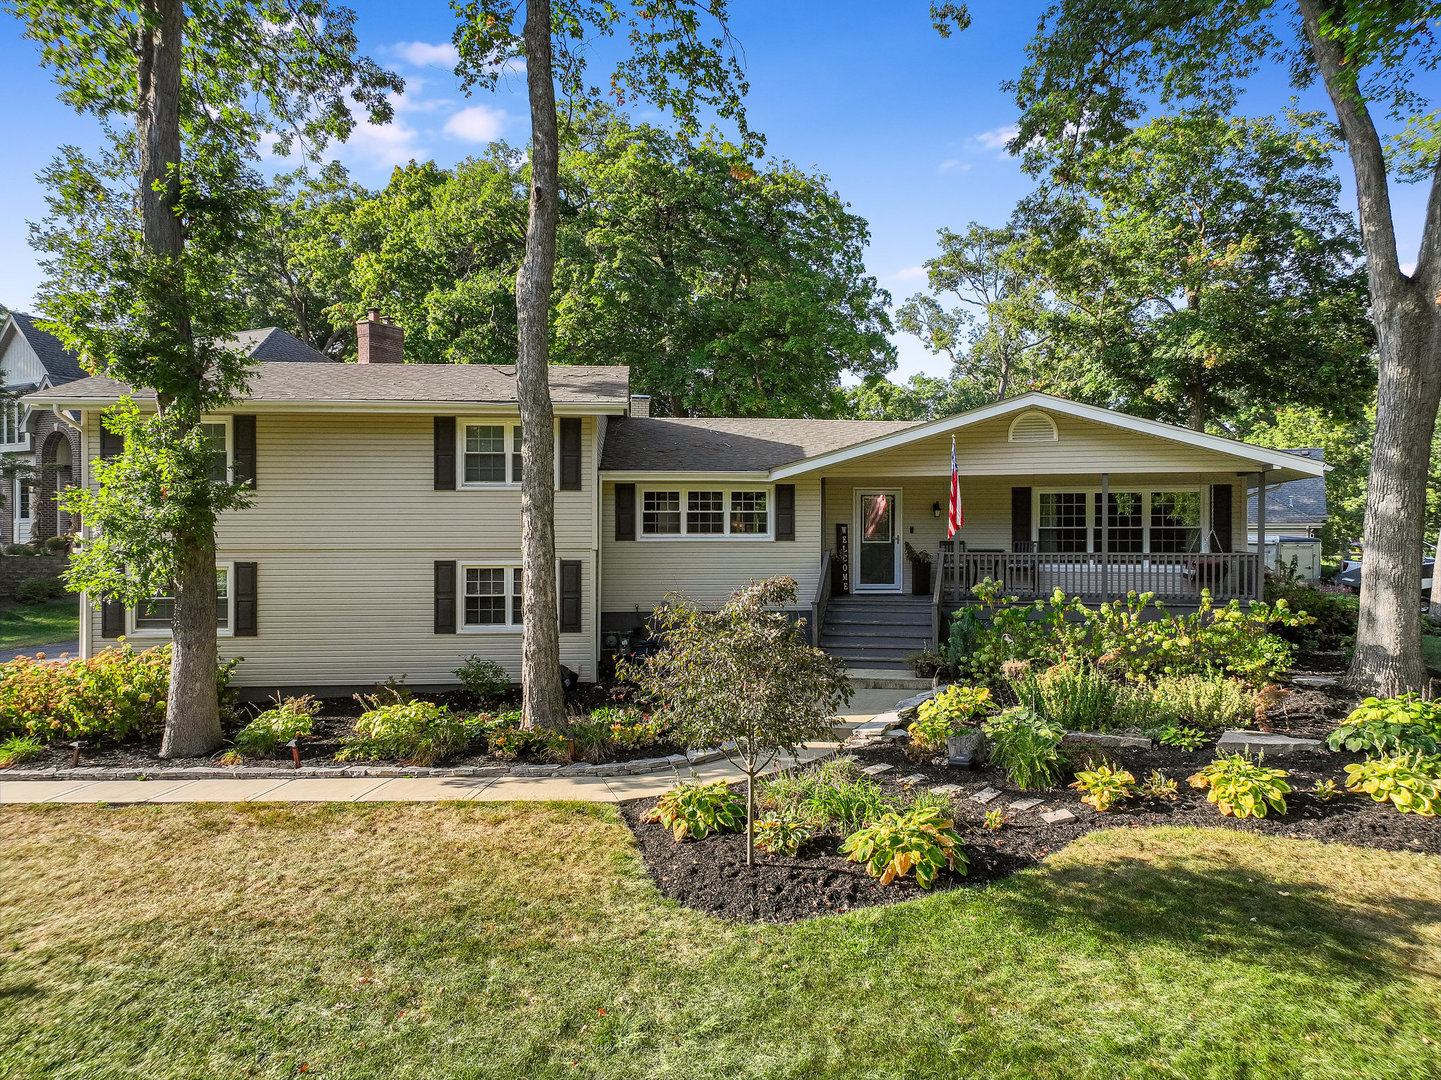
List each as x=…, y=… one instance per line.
x=640, y=405
x=378, y=340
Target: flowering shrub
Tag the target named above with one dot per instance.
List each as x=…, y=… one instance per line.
x=117, y=694
x=415, y=732
x=289, y=719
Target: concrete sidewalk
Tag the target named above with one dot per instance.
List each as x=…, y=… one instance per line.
x=866, y=704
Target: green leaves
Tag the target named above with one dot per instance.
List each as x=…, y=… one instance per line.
x=1241, y=787
x=1385, y=725
x=1026, y=746
x=898, y=842
x=696, y=810
x=1104, y=787
x=1412, y=783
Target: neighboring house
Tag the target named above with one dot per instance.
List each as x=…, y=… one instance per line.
x=47, y=444
x=384, y=534
x=1295, y=507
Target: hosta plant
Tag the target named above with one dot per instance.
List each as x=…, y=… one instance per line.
x=995, y=820
x=782, y=834
x=696, y=810
x=289, y=718
x=1245, y=788
x=1104, y=787
x=1159, y=786
x=1404, y=724
x=1027, y=747
x=1325, y=790
x=1183, y=738
x=415, y=732
x=898, y=842
x=1410, y=782
x=953, y=708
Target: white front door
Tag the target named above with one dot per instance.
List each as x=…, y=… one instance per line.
x=24, y=510
x=878, y=541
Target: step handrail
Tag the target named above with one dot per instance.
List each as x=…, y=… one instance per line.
x=822, y=598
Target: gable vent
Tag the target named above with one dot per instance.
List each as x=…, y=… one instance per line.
x=1033, y=426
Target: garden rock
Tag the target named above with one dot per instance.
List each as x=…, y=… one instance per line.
x=985, y=795
x=1315, y=682
x=946, y=789
x=1026, y=804
x=1056, y=817
x=1261, y=742
x=914, y=778
x=910, y=707
x=876, y=770
x=1114, y=742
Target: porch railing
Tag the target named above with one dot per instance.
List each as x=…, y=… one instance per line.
x=1174, y=578
x=822, y=598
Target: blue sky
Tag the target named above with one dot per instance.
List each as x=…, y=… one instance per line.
x=907, y=126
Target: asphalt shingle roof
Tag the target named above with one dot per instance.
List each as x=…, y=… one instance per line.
x=730, y=445
x=272, y=345
x=394, y=383
x=1296, y=501
x=60, y=362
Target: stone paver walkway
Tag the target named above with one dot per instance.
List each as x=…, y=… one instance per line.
x=865, y=705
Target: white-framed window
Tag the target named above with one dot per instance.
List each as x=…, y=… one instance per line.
x=220, y=445
x=490, y=597
x=12, y=423
x=155, y=615
x=24, y=500
x=705, y=511
x=1155, y=520
x=489, y=452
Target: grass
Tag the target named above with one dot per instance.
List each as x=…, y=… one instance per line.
x=494, y=940
x=1431, y=650
x=23, y=625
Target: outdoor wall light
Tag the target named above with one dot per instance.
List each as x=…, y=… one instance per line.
x=936, y=509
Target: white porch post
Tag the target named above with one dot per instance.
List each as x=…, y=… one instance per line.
x=1260, y=587
x=1105, y=537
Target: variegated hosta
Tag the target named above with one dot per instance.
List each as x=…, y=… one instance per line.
x=697, y=810
x=1104, y=786
x=896, y=843
x=1412, y=783
x=1243, y=787
x=783, y=834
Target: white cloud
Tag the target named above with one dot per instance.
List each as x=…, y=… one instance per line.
x=954, y=165
x=385, y=145
x=479, y=123
x=909, y=273
x=997, y=138
x=424, y=54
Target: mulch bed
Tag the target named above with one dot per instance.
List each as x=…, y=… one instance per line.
x=710, y=875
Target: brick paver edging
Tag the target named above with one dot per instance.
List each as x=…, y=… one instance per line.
x=248, y=772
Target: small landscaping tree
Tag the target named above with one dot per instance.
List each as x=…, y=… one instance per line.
x=742, y=678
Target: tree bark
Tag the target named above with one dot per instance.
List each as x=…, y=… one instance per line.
x=192, y=711
x=1388, y=658
x=750, y=819
x=543, y=696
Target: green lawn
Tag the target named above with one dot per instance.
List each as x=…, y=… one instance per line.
x=1431, y=646
x=481, y=940
x=39, y=624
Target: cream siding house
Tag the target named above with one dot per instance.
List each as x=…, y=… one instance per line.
x=383, y=539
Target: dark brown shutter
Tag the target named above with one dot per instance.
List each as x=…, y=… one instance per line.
x=445, y=458
x=111, y=444
x=570, y=596
x=243, y=432
x=247, y=612
x=112, y=619
x=1020, y=518
x=625, y=511
x=785, y=511
x=1221, y=528
x=570, y=453
x=444, y=597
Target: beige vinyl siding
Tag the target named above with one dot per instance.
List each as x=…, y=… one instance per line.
x=345, y=526
x=639, y=573
x=1082, y=446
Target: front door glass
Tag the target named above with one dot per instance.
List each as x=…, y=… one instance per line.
x=877, y=567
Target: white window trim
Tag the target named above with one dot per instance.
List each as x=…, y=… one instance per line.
x=507, y=627
x=228, y=423
x=510, y=423
x=21, y=415
x=154, y=632
x=1093, y=496
x=685, y=490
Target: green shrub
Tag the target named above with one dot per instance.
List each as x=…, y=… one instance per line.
x=606, y=730
x=928, y=663
x=697, y=810
x=506, y=739
x=1243, y=787
x=56, y=545
x=290, y=718
x=117, y=694
x=20, y=549
x=484, y=678
x=1411, y=782
x=415, y=732
x=38, y=590
x=1206, y=699
x=1075, y=696
x=953, y=708
x=782, y=834
x=1104, y=787
x=899, y=842
x=1159, y=786
x=1404, y=724
x=1026, y=747
x=1333, y=614
x=1188, y=739
x=835, y=794
x=18, y=749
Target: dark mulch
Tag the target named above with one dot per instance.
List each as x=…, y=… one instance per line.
x=711, y=874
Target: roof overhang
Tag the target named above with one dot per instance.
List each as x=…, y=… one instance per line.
x=55, y=402
x=1265, y=459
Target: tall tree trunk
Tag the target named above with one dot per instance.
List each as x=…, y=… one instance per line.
x=192, y=712
x=544, y=697
x=1388, y=657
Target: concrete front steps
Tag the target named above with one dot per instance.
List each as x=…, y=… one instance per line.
x=875, y=634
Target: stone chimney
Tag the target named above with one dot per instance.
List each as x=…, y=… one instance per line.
x=640, y=404
x=378, y=340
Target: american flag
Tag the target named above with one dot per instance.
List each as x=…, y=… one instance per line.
x=958, y=512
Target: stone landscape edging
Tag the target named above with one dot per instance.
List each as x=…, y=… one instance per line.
x=330, y=772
